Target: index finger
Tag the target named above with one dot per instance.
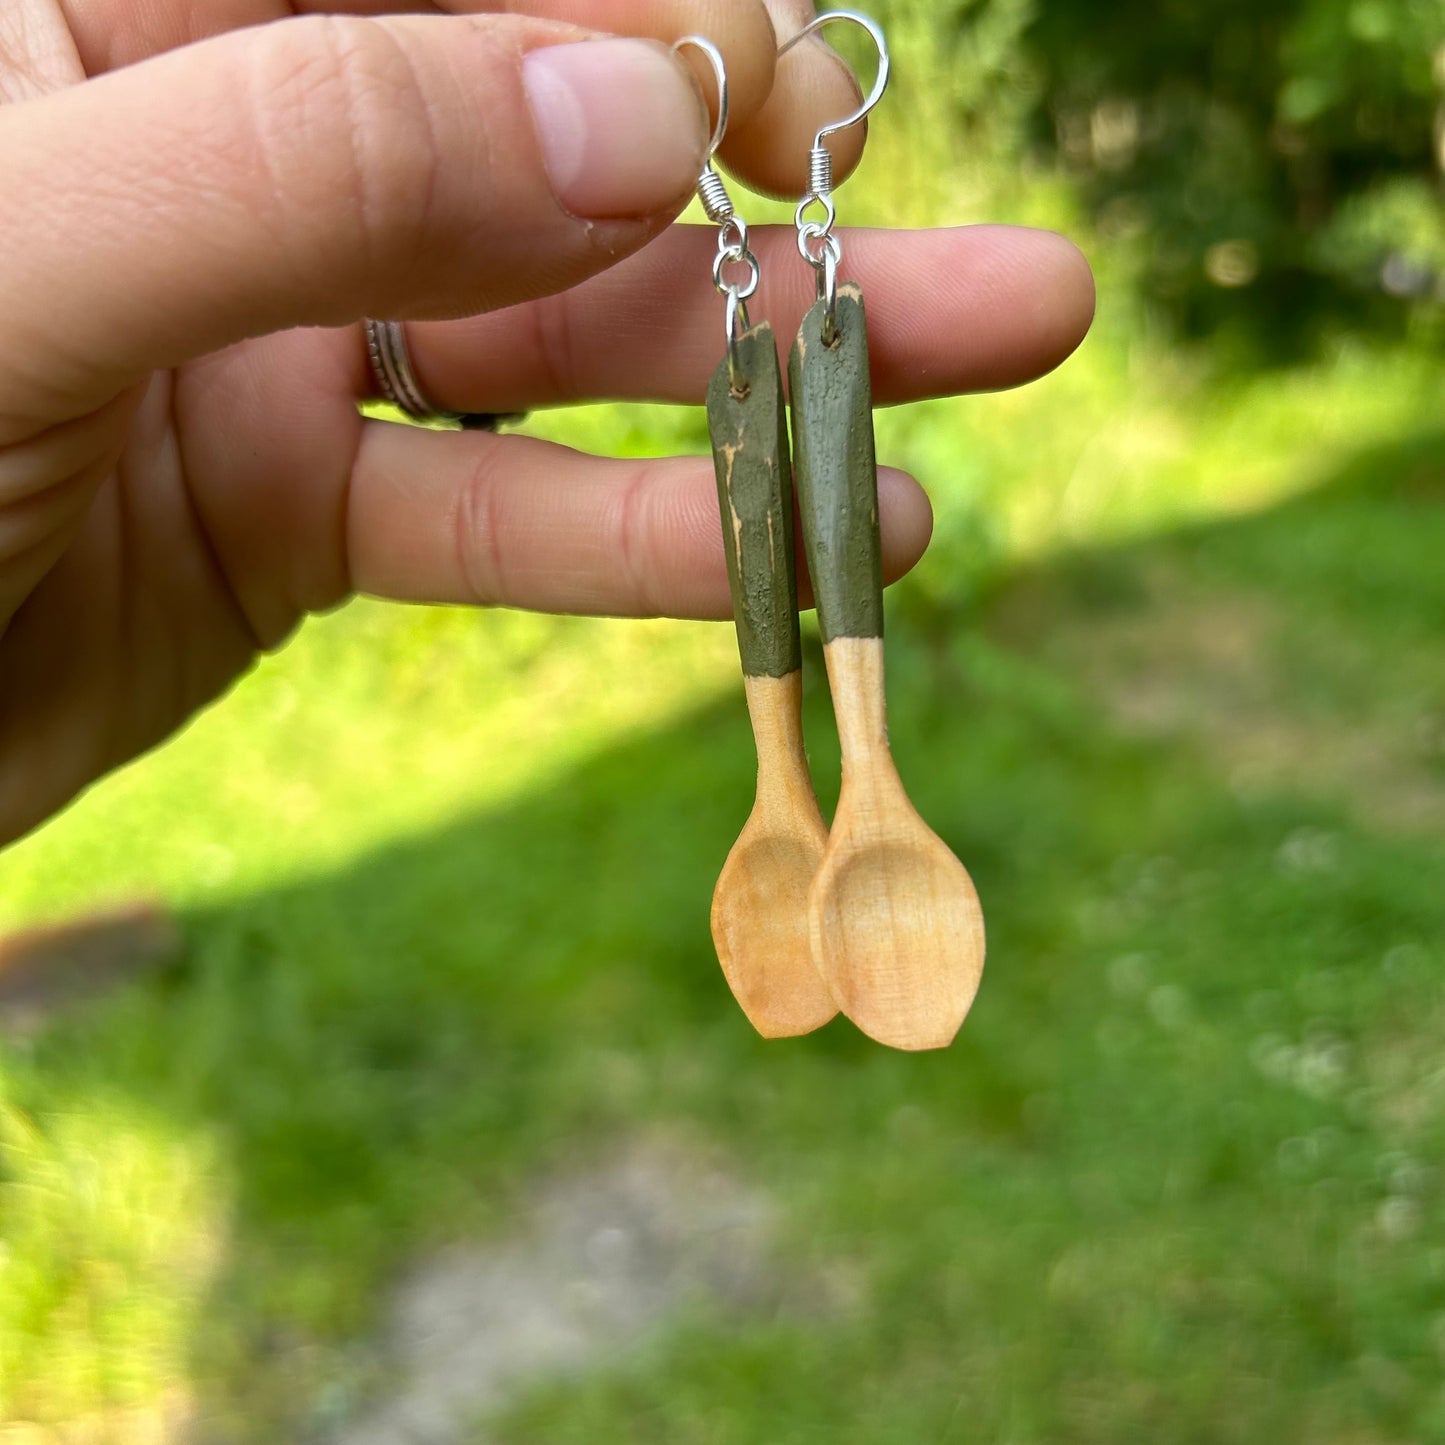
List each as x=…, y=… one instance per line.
x=776, y=106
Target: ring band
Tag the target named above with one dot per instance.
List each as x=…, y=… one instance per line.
x=395, y=378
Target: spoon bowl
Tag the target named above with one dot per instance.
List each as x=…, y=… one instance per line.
x=760, y=922
x=894, y=921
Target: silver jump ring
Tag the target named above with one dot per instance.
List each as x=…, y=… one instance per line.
x=831, y=246
x=727, y=258
x=732, y=237
x=823, y=227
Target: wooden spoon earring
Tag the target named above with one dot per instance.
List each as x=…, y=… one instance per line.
x=760, y=905
x=895, y=924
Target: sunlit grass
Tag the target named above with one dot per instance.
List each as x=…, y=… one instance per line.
x=372, y=724
x=115, y=1221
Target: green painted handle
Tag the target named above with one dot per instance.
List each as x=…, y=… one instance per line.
x=837, y=469
x=755, y=493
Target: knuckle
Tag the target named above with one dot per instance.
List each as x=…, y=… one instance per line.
x=555, y=343
x=637, y=540
x=344, y=129
x=477, y=537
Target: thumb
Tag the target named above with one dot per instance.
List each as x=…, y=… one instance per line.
x=311, y=171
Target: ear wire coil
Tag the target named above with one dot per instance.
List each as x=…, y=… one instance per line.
x=714, y=196
x=820, y=172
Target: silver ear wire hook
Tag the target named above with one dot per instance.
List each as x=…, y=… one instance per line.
x=820, y=159
x=885, y=65
x=732, y=242
x=824, y=260
x=720, y=74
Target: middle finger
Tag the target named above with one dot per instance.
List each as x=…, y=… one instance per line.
x=970, y=309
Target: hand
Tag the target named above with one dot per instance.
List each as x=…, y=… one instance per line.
x=193, y=231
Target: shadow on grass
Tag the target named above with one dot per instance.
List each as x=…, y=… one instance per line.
x=1177, y=1179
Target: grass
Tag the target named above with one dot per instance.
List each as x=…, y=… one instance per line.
x=1170, y=682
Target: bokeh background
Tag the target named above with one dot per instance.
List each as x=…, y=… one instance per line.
x=428, y=1116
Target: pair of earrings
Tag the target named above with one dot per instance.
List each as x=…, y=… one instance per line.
x=874, y=917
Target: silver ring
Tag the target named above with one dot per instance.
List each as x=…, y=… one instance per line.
x=727, y=258
x=392, y=371
x=817, y=228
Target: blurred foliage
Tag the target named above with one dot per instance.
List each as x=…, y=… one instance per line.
x=1273, y=165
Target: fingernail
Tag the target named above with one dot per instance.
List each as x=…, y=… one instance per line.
x=623, y=130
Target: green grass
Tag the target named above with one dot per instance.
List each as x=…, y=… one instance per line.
x=1171, y=682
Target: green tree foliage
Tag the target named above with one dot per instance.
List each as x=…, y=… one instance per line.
x=1273, y=165
x=1287, y=148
